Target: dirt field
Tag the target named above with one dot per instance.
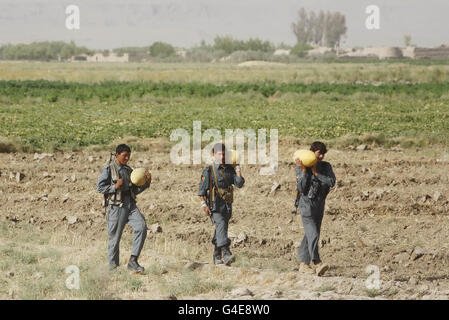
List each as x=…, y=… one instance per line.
x=389, y=209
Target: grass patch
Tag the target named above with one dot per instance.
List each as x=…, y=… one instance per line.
x=7, y=145
x=391, y=292
x=190, y=284
x=155, y=269
x=372, y=293
x=325, y=287
x=19, y=256
x=134, y=284
x=243, y=260
x=278, y=266
x=38, y=289
x=363, y=228
x=178, y=249
x=23, y=233
x=247, y=259
x=305, y=71
x=39, y=267
x=94, y=284
x=51, y=253
x=5, y=264
x=112, y=91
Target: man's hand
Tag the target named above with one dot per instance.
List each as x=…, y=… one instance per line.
x=207, y=211
x=118, y=184
x=300, y=165
x=238, y=171
x=205, y=206
x=315, y=173
x=148, y=176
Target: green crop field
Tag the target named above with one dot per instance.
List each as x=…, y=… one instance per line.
x=410, y=107
x=371, y=71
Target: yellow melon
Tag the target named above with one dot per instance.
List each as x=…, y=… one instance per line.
x=138, y=177
x=232, y=157
x=307, y=157
x=235, y=158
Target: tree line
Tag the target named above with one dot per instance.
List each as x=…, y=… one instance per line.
x=55, y=50
x=322, y=28
x=310, y=29
x=43, y=51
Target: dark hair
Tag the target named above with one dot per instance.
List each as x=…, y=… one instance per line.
x=218, y=147
x=318, y=145
x=122, y=147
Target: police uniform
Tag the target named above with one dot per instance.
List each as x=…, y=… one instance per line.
x=124, y=213
x=313, y=192
x=221, y=210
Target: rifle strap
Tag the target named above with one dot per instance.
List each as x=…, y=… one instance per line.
x=114, y=172
x=216, y=181
x=116, y=197
x=211, y=189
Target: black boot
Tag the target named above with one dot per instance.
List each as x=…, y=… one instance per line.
x=228, y=257
x=134, y=265
x=217, y=256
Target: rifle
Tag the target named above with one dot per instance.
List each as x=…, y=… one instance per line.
x=298, y=195
x=210, y=203
x=106, y=196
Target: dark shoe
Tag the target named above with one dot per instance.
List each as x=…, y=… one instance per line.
x=217, y=256
x=228, y=257
x=134, y=265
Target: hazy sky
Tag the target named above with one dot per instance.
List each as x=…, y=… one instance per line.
x=106, y=24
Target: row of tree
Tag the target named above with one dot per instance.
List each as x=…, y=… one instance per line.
x=157, y=49
x=229, y=45
x=47, y=50
x=55, y=50
x=322, y=28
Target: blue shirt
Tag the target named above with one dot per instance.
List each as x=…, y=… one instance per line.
x=105, y=184
x=227, y=171
x=325, y=176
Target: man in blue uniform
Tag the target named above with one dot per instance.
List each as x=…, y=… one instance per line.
x=216, y=194
x=115, y=183
x=313, y=185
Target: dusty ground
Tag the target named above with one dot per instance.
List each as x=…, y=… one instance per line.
x=389, y=209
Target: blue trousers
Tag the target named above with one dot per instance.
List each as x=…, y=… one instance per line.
x=221, y=221
x=117, y=218
x=311, y=216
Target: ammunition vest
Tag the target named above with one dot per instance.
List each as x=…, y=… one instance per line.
x=227, y=194
x=116, y=198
